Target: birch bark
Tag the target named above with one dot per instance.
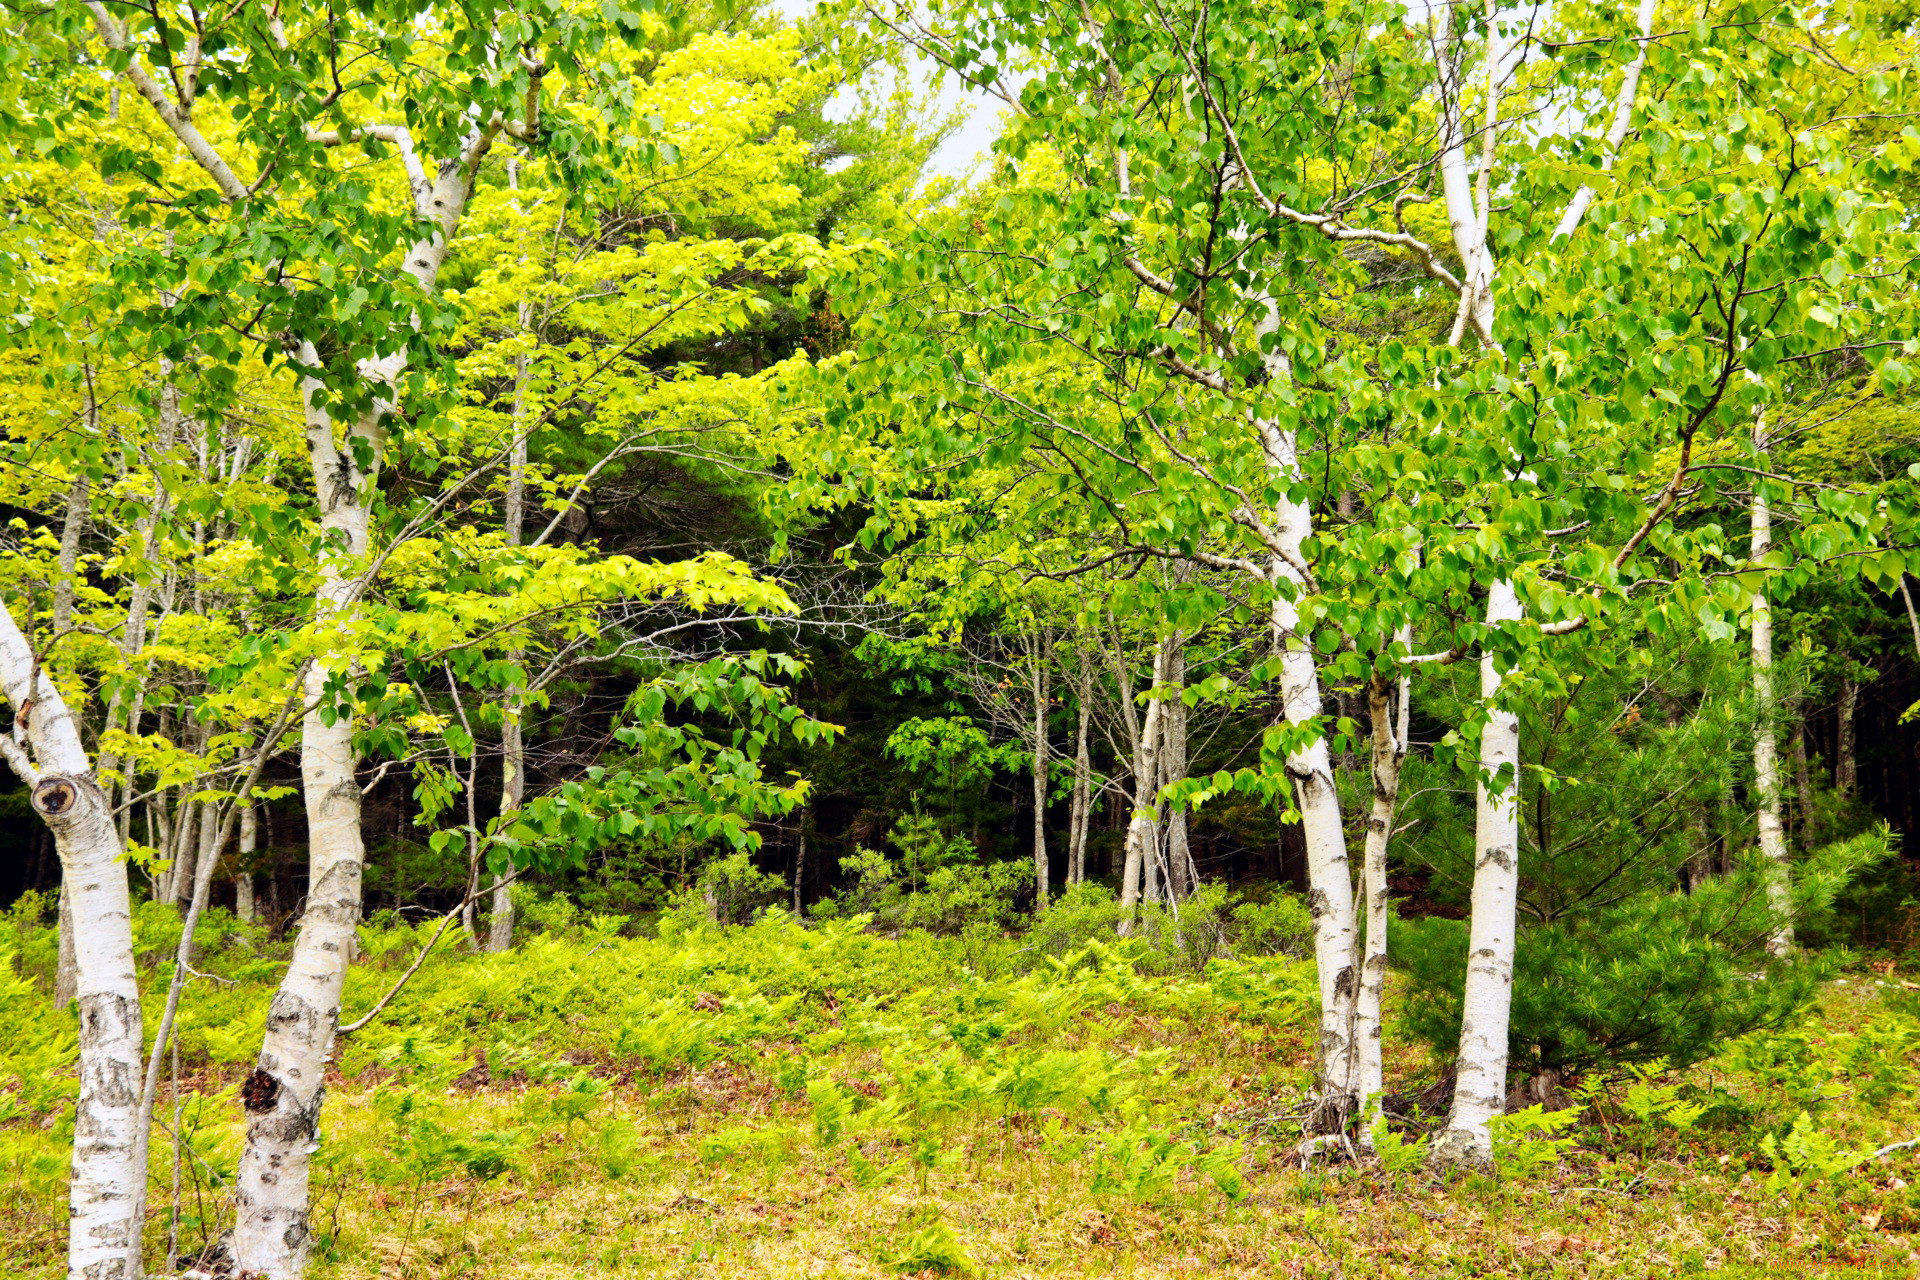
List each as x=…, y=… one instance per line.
x=71, y=531
x=1310, y=767
x=1480, y=1086
x=1042, y=654
x=1082, y=810
x=1173, y=769
x=1766, y=741
x=109, y=1143
x=1480, y=1082
x=243, y=871
x=513, y=747
x=1143, y=827
x=1389, y=749
x=284, y=1094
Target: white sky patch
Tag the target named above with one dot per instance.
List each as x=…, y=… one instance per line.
x=982, y=115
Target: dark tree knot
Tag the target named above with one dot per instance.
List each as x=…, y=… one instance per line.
x=260, y=1091
x=54, y=796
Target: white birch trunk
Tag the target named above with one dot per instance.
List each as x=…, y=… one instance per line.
x=1082, y=778
x=283, y=1096
x=1480, y=1085
x=1389, y=750
x=243, y=872
x=1766, y=741
x=1042, y=658
x=1181, y=876
x=65, y=978
x=109, y=1178
x=1480, y=1088
x=1310, y=768
x=513, y=750
x=1143, y=828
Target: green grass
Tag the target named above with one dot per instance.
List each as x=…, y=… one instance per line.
x=779, y=1101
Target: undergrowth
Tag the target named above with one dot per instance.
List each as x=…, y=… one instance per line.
x=778, y=1099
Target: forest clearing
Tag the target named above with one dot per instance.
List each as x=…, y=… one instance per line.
x=774, y=1101
x=1048, y=637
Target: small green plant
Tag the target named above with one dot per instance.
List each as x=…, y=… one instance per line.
x=1651, y=1103
x=929, y=1154
x=1391, y=1148
x=573, y=1103
x=930, y=1246
x=1805, y=1156
x=1222, y=1167
x=1526, y=1141
x=617, y=1146
x=867, y=1174
x=1138, y=1162
x=830, y=1111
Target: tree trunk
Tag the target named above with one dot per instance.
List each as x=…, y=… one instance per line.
x=513, y=509
x=1846, y=765
x=1803, y=800
x=1766, y=751
x=1143, y=828
x=1389, y=750
x=243, y=869
x=513, y=781
x=1082, y=778
x=800, y=865
x=283, y=1096
x=1310, y=769
x=1181, y=877
x=109, y=1178
x=1480, y=1081
x=1042, y=666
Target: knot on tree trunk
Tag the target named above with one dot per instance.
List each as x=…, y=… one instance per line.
x=56, y=796
x=260, y=1092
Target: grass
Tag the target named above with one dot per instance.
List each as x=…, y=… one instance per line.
x=778, y=1101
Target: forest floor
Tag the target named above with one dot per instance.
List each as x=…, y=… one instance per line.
x=778, y=1101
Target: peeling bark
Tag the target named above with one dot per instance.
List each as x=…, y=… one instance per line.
x=109, y=1144
x=1480, y=1082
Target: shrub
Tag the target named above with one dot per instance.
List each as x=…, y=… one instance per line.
x=734, y=889
x=1281, y=925
x=1644, y=979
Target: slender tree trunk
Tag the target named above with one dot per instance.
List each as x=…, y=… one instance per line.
x=1181, y=876
x=109, y=1143
x=1846, y=765
x=1143, y=828
x=1802, y=783
x=1310, y=768
x=1082, y=777
x=243, y=870
x=1480, y=1085
x=513, y=750
x=284, y=1094
x=208, y=855
x=800, y=865
x=1766, y=750
x=1389, y=749
x=513, y=782
x=1042, y=650
x=65, y=977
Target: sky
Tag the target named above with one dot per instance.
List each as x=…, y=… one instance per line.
x=972, y=140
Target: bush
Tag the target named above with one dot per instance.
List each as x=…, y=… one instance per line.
x=1280, y=926
x=1655, y=975
x=1162, y=941
x=734, y=889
